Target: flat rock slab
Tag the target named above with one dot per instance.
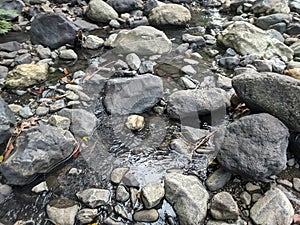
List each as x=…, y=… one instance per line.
x=132, y=95
x=37, y=150
x=272, y=93
x=253, y=146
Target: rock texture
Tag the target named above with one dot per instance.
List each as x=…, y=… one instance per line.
x=123, y=6
x=253, y=146
x=271, y=93
x=223, y=207
x=37, y=150
x=246, y=38
x=132, y=95
x=7, y=121
x=187, y=196
x=100, y=11
x=143, y=40
x=53, y=30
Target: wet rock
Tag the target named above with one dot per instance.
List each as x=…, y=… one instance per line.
x=193, y=103
x=264, y=22
x=273, y=208
x=62, y=211
x=188, y=197
x=180, y=146
x=133, y=61
x=135, y=122
x=122, y=195
x=253, y=146
x=123, y=6
x=5, y=191
x=129, y=179
x=40, y=187
x=117, y=174
x=223, y=207
x=92, y=42
x=83, y=122
x=246, y=38
x=94, y=197
x=67, y=54
x=251, y=87
x=150, y=215
x=36, y=151
x=121, y=211
x=47, y=30
x=100, y=11
x=152, y=194
x=143, y=40
x=86, y=215
x=132, y=95
x=169, y=14
x=229, y=62
x=59, y=121
x=7, y=121
x=26, y=75
x=218, y=179
x=271, y=7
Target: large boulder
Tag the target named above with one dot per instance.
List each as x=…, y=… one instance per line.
x=132, y=95
x=253, y=146
x=169, y=14
x=123, y=6
x=246, y=39
x=271, y=6
x=272, y=93
x=100, y=11
x=53, y=30
x=143, y=40
x=188, y=197
x=26, y=75
x=273, y=208
x=7, y=121
x=37, y=151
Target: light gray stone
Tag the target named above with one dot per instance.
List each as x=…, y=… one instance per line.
x=122, y=195
x=94, y=197
x=59, y=121
x=150, y=215
x=133, y=61
x=100, y=11
x=87, y=215
x=296, y=183
x=271, y=6
x=117, y=174
x=224, y=207
x=152, y=194
x=218, y=179
x=93, y=42
x=68, y=54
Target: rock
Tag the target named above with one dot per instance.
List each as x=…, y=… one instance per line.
x=296, y=183
x=250, y=187
x=296, y=48
x=285, y=182
x=273, y=208
x=26, y=75
x=85, y=25
x=264, y=22
x=7, y=121
x=5, y=191
x=110, y=221
x=37, y=150
x=246, y=38
x=200, y=102
x=133, y=61
x=253, y=146
x=41, y=111
x=11, y=9
x=189, y=70
x=251, y=87
x=92, y=42
x=83, y=122
x=67, y=54
x=263, y=65
x=43, y=52
x=294, y=72
x=223, y=207
x=23, y=59
x=121, y=211
x=40, y=187
x=25, y=112
x=135, y=122
x=146, y=67
x=229, y=62
x=47, y=30
x=100, y=11
x=57, y=105
x=62, y=211
x=150, y=215
x=87, y=215
x=187, y=196
x=11, y=46
x=180, y=146
x=94, y=197
x=169, y=14
x=123, y=6
x=271, y=7
x=295, y=6
x=59, y=121
x=152, y=194
x=129, y=179
x=117, y=174
x=245, y=198
x=132, y=95
x=142, y=40
x=122, y=195
x=218, y=179
x=238, y=222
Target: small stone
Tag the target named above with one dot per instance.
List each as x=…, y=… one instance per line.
x=255, y=197
x=252, y=187
x=245, y=198
x=43, y=52
x=122, y=195
x=130, y=180
x=218, y=179
x=110, y=221
x=146, y=67
x=15, y=108
x=291, y=162
x=117, y=174
x=60, y=121
x=133, y=197
x=70, y=95
x=189, y=70
x=152, y=194
x=191, y=62
x=133, y=61
x=68, y=54
x=87, y=215
x=285, y=182
x=114, y=24
x=25, y=112
x=75, y=171
x=40, y=187
x=93, y=42
x=94, y=197
x=41, y=111
x=121, y=211
x=57, y=105
x=135, y=122
x=296, y=183
x=150, y=215
x=5, y=191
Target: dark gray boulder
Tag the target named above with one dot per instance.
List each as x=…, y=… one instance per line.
x=272, y=93
x=264, y=22
x=53, y=30
x=7, y=121
x=132, y=95
x=253, y=146
x=37, y=151
x=12, y=8
x=123, y=6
